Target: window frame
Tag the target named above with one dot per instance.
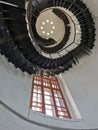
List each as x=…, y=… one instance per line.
x=51, y=84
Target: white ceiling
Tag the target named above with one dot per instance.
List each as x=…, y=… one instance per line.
x=93, y=5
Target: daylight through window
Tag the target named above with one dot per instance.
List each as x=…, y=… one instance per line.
x=47, y=97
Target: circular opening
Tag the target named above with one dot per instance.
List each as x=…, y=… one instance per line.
x=43, y=32
x=47, y=21
x=48, y=34
x=42, y=27
x=43, y=23
x=51, y=22
x=51, y=32
x=53, y=26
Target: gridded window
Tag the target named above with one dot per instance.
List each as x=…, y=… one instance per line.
x=47, y=97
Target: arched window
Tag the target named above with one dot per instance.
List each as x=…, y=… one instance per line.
x=47, y=97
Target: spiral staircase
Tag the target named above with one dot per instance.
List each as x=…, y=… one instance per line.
x=29, y=47
x=50, y=36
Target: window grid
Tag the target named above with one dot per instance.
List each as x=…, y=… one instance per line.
x=47, y=97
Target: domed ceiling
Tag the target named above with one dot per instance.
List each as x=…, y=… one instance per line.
x=47, y=35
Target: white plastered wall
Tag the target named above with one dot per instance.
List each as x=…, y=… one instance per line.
x=82, y=80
